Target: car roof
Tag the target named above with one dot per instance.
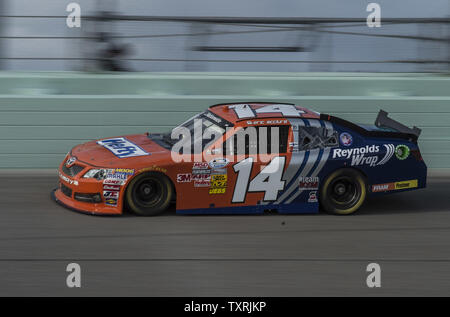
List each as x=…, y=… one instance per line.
x=227, y=111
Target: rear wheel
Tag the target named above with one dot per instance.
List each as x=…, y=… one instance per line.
x=149, y=194
x=343, y=192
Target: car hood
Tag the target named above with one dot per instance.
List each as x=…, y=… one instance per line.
x=137, y=149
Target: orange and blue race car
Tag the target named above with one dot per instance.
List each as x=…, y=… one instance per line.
x=244, y=158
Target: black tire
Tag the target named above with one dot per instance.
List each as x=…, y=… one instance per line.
x=149, y=194
x=343, y=192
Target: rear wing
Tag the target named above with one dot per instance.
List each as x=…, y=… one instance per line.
x=384, y=121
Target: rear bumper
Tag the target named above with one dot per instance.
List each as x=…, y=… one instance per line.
x=82, y=207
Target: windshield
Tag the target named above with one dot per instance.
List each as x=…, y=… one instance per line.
x=203, y=128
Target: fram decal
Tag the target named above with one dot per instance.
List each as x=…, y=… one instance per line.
x=394, y=186
x=122, y=148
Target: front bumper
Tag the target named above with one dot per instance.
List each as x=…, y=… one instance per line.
x=89, y=209
x=86, y=195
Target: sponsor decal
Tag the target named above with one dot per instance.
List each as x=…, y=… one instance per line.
x=213, y=191
x=395, y=186
x=122, y=148
x=259, y=122
x=200, y=165
x=312, y=197
x=184, y=178
x=202, y=183
x=68, y=180
x=111, y=202
x=111, y=187
x=110, y=194
x=218, y=181
x=219, y=171
x=197, y=172
x=402, y=152
x=71, y=161
x=308, y=183
x=154, y=168
x=346, y=139
x=127, y=171
x=113, y=181
x=119, y=174
x=218, y=163
x=187, y=177
x=363, y=155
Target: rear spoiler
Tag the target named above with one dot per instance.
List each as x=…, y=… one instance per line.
x=384, y=121
x=400, y=131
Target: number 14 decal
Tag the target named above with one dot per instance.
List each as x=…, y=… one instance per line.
x=268, y=180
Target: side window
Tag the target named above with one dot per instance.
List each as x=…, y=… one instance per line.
x=262, y=143
x=316, y=138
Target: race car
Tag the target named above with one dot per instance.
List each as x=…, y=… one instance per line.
x=244, y=158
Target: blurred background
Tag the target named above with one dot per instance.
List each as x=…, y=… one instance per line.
x=211, y=35
x=146, y=65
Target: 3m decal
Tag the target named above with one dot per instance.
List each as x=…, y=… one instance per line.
x=346, y=139
x=363, y=155
x=268, y=180
x=402, y=152
x=308, y=183
x=395, y=186
x=122, y=148
x=184, y=178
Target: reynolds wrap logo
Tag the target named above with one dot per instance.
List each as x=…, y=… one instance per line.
x=367, y=155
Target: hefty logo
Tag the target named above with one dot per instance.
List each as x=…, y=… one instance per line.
x=122, y=148
x=361, y=156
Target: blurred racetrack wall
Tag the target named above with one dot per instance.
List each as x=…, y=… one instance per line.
x=57, y=87
x=294, y=36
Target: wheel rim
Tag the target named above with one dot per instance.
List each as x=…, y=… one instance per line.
x=147, y=192
x=344, y=191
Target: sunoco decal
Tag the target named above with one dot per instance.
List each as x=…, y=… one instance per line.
x=122, y=148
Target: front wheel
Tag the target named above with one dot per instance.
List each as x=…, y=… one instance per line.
x=149, y=194
x=343, y=192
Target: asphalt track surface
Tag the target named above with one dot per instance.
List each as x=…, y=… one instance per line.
x=408, y=234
